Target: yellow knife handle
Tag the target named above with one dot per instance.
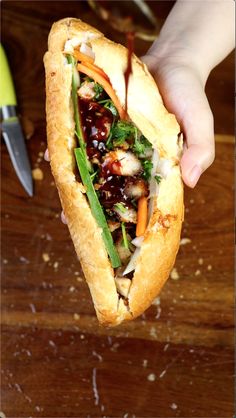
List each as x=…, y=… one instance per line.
x=7, y=92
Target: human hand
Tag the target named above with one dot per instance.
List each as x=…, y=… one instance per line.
x=182, y=89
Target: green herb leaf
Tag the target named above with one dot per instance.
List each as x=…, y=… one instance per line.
x=125, y=239
x=96, y=208
x=141, y=144
x=108, y=104
x=120, y=207
x=158, y=179
x=147, y=168
x=112, y=108
x=123, y=130
x=98, y=89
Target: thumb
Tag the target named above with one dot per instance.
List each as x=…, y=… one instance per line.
x=199, y=150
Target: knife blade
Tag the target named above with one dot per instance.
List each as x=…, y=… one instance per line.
x=13, y=136
x=11, y=128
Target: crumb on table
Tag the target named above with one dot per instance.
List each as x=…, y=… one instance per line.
x=174, y=275
x=45, y=257
x=37, y=174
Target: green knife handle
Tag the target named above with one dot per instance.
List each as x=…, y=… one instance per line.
x=7, y=92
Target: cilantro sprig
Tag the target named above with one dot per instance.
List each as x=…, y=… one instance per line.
x=123, y=130
x=108, y=104
x=147, y=169
x=158, y=178
x=98, y=89
x=141, y=145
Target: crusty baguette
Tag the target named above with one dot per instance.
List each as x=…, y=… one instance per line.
x=146, y=110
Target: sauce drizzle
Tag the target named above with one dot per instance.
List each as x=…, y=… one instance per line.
x=130, y=46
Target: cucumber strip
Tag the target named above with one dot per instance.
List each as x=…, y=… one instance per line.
x=77, y=115
x=96, y=208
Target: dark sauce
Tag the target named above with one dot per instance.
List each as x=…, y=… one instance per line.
x=112, y=191
x=130, y=46
x=96, y=121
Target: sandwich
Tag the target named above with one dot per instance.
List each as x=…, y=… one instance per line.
x=115, y=162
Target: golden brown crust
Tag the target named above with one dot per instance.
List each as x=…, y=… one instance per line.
x=146, y=109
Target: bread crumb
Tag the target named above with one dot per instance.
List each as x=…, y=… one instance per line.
x=71, y=289
x=174, y=406
x=162, y=374
x=156, y=301
x=153, y=332
x=37, y=408
x=191, y=201
x=209, y=267
x=174, y=275
x=55, y=265
x=197, y=272
x=145, y=362
x=37, y=174
x=79, y=279
x=5, y=261
x=151, y=377
x=45, y=257
x=82, y=337
x=200, y=261
x=185, y=241
x=40, y=154
x=76, y=316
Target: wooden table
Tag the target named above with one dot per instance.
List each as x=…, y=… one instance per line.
x=174, y=361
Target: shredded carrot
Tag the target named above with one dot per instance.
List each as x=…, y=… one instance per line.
x=142, y=216
x=92, y=73
x=82, y=57
x=97, y=69
x=89, y=62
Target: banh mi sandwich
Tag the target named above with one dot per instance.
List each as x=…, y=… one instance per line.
x=117, y=173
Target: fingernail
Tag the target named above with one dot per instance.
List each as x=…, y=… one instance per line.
x=194, y=175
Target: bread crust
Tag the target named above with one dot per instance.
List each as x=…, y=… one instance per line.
x=146, y=110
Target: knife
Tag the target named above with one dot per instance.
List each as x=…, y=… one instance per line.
x=11, y=128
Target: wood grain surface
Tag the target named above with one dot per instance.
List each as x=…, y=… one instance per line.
x=174, y=361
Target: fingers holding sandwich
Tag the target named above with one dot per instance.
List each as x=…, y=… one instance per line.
x=183, y=92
